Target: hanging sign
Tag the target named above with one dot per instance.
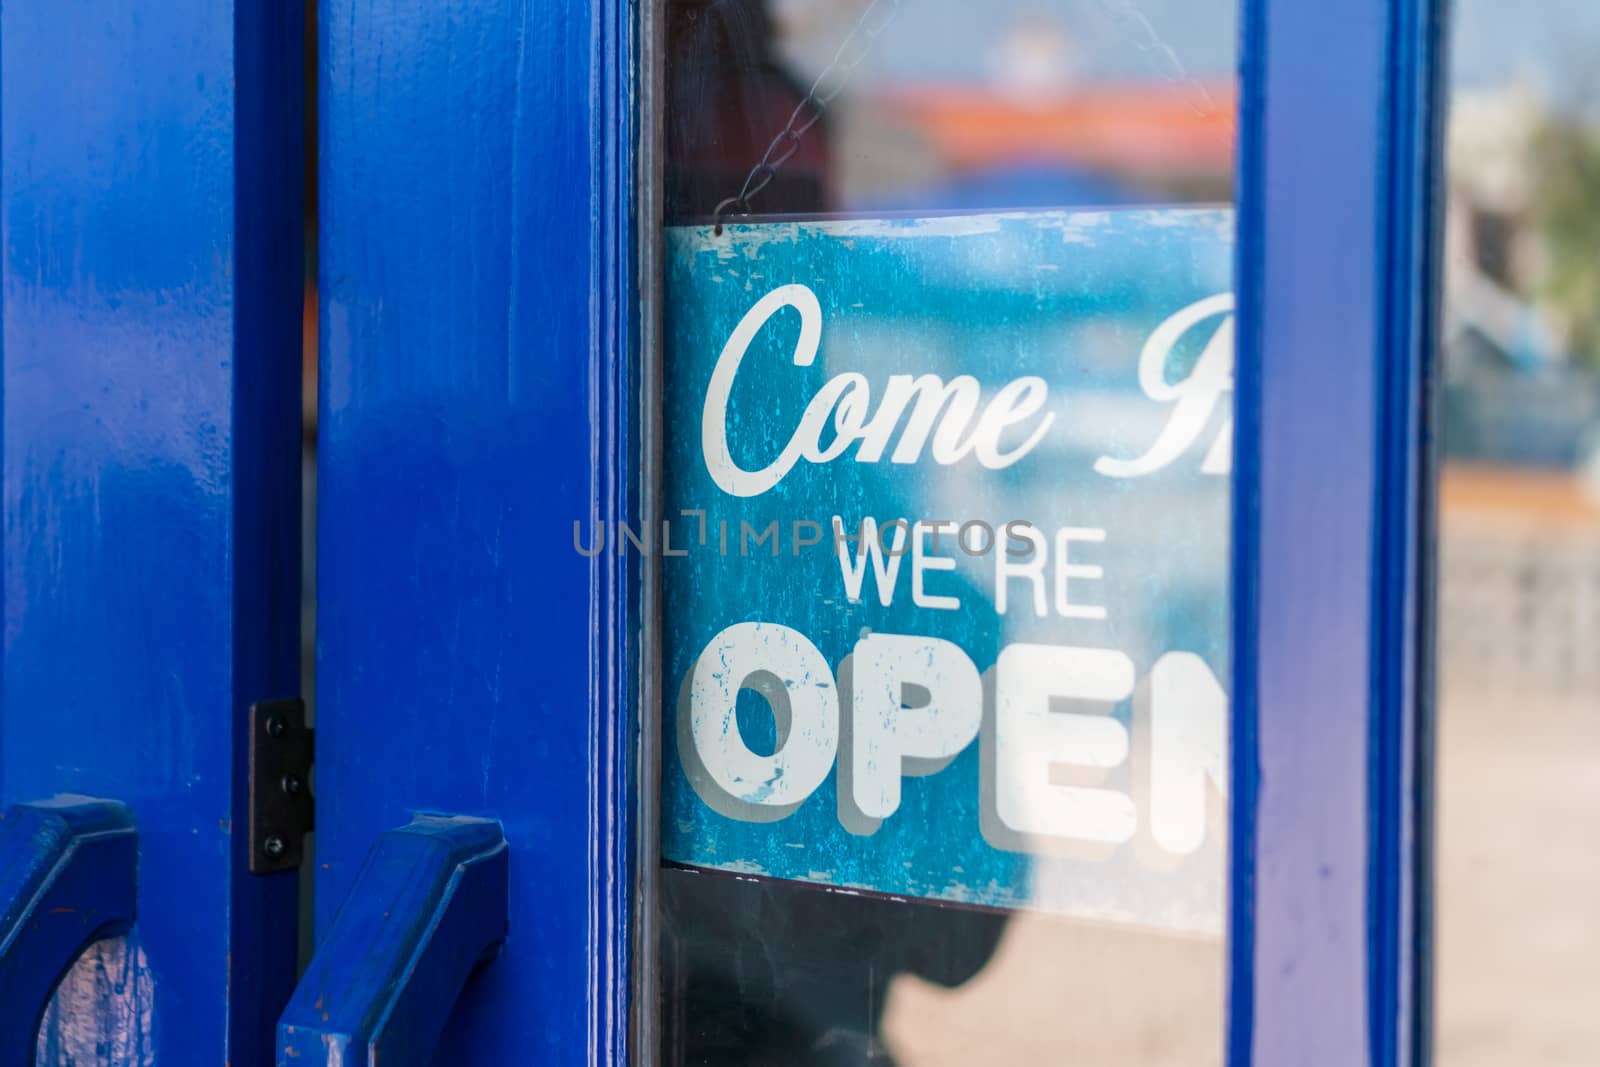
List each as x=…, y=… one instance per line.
x=944, y=565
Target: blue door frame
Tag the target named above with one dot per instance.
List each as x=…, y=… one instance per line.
x=1340, y=126
x=486, y=275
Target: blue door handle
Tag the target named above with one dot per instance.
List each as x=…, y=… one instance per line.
x=427, y=907
x=68, y=877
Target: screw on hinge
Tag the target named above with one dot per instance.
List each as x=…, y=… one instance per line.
x=273, y=846
x=275, y=726
x=292, y=784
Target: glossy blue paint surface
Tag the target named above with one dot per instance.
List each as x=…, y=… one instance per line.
x=474, y=260
x=428, y=906
x=68, y=876
x=151, y=275
x=1335, y=273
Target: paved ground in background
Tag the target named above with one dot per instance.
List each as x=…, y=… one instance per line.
x=1519, y=881
x=1519, y=930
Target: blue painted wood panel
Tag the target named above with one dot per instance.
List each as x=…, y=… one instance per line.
x=473, y=262
x=151, y=272
x=1339, y=128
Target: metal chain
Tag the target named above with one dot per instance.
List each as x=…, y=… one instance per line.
x=853, y=50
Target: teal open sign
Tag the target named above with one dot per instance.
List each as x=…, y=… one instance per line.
x=945, y=560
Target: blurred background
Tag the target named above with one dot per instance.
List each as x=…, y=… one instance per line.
x=1518, y=786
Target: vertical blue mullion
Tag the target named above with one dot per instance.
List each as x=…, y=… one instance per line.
x=1244, y=769
x=1403, y=531
x=618, y=627
x=1338, y=138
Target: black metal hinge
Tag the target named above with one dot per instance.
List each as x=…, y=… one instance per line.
x=282, y=811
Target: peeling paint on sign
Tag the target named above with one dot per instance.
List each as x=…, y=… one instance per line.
x=945, y=581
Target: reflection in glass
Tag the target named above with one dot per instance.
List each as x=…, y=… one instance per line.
x=952, y=110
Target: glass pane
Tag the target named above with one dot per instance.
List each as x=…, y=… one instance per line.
x=1518, y=778
x=948, y=368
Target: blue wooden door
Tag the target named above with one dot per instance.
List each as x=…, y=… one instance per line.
x=490, y=361
x=490, y=696
x=151, y=291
